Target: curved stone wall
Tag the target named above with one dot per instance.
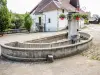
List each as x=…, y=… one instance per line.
x=39, y=45
x=12, y=52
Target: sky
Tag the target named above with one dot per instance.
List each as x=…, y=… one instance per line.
x=22, y=6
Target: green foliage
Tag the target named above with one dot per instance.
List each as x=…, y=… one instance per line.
x=62, y=16
x=86, y=21
x=17, y=20
x=84, y=16
x=74, y=16
x=3, y=2
x=11, y=26
x=28, y=22
x=4, y=16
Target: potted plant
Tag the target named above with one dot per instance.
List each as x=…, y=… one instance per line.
x=62, y=16
x=76, y=16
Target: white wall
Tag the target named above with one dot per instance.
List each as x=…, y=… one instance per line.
x=62, y=23
x=45, y=16
x=56, y=23
x=53, y=17
x=36, y=20
x=81, y=23
x=33, y=28
x=33, y=25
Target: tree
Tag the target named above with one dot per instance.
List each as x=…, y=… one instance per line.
x=4, y=16
x=17, y=20
x=3, y=3
x=28, y=22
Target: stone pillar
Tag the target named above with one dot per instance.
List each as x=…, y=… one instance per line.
x=73, y=26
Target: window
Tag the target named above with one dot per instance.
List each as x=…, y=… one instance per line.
x=62, y=10
x=49, y=20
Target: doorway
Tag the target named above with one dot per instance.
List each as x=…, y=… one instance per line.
x=40, y=25
x=39, y=20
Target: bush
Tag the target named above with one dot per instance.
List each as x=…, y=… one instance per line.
x=28, y=22
x=12, y=26
x=4, y=19
x=86, y=21
x=17, y=20
x=85, y=16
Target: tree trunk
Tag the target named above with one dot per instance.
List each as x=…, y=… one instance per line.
x=1, y=33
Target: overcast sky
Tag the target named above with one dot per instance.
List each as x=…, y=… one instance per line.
x=22, y=6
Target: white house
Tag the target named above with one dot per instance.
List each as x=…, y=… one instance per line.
x=46, y=14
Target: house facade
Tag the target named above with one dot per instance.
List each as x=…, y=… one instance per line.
x=46, y=15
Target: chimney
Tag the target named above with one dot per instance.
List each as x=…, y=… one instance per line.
x=75, y=3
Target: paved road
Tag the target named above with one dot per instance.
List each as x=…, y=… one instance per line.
x=94, y=30
x=94, y=51
x=75, y=65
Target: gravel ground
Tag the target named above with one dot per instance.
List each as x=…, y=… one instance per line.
x=94, y=51
x=75, y=65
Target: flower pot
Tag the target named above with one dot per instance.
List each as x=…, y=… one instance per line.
x=77, y=18
x=62, y=18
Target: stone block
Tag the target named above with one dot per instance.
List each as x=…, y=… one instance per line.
x=50, y=58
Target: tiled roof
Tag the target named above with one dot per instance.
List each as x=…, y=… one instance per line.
x=48, y=5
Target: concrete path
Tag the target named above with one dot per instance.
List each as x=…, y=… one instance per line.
x=75, y=65
x=21, y=37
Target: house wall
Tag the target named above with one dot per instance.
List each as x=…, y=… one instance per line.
x=33, y=28
x=55, y=24
x=36, y=20
x=52, y=15
x=62, y=23
x=81, y=23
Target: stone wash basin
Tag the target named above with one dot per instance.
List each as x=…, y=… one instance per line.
x=35, y=50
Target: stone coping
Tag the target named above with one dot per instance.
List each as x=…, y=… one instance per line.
x=38, y=45
x=72, y=45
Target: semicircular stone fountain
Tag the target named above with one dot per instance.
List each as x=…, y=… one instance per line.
x=37, y=50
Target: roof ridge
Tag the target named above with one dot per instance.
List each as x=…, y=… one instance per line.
x=56, y=4
x=46, y=5
x=35, y=7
